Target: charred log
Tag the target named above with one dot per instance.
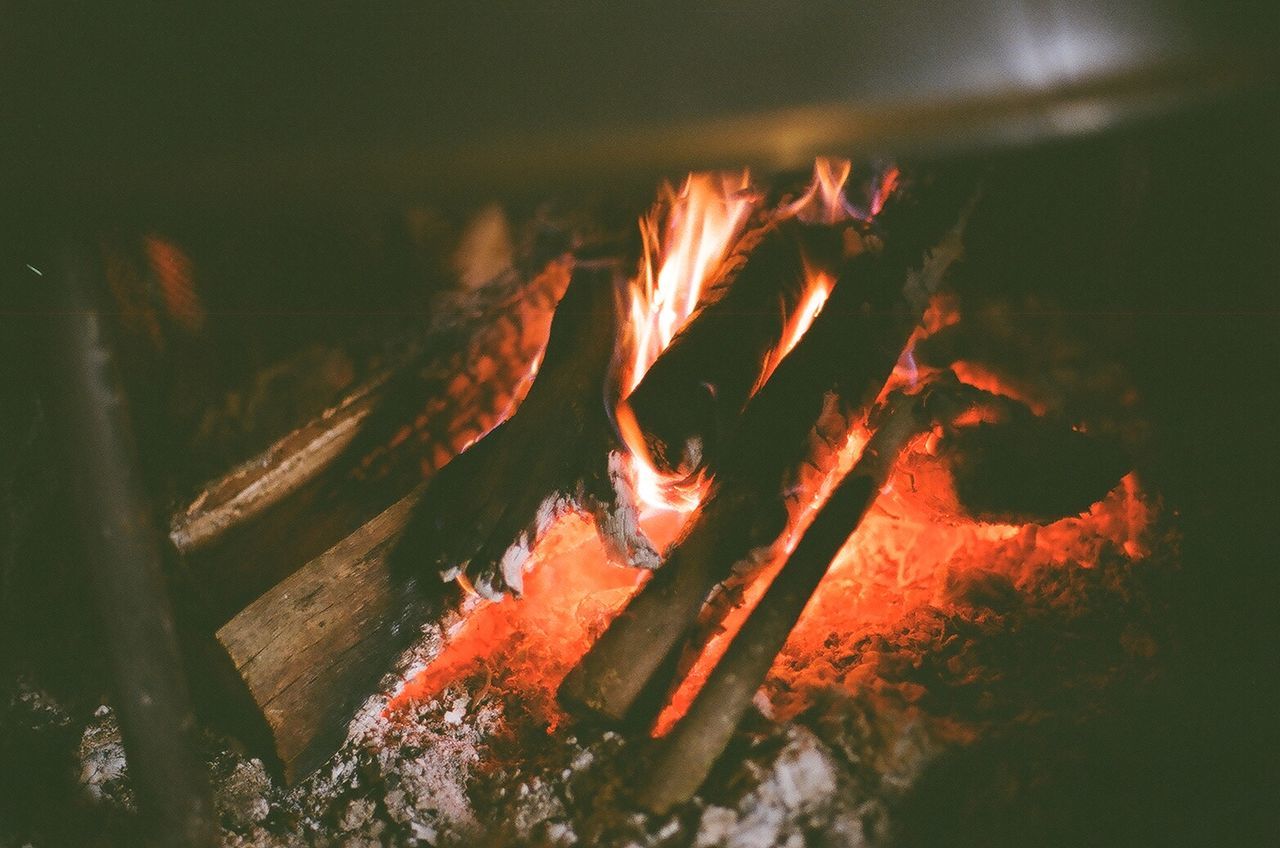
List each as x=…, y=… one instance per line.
x=1030, y=469
x=685, y=756
x=481, y=517
x=691, y=397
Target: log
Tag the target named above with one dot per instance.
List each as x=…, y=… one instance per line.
x=1030, y=469
x=123, y=558
x=482, y=516
x=250, y=528
x=253, y=487
x=314, y=647
x=690, y=398
x=836, y=371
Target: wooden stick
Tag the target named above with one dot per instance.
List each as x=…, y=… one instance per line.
x=123, y=557
x=685, y=756
x=314, y=647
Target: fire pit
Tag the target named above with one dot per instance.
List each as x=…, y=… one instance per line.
x=873, y=501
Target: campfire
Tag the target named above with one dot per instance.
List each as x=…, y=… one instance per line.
x=642, y=426
x=702, y=525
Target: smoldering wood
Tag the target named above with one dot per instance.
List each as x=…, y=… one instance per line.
x=842, y=362
x=253, y=526
x=690, y=398
x=124, y=561
x=1030, y=469
x=314, y=646
x=483, y=514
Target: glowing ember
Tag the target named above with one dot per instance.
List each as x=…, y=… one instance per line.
x=912, y=545
x=525, y=646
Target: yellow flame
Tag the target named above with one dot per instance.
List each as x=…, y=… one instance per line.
x=818, y=285
x=686, y=239
x=823, y=202
x=680, y=255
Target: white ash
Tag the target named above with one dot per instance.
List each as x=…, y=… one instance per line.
x=244, y=795
x=618, y=519
x=102, y=761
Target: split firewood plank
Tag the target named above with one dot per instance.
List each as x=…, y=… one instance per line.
x=314, y=647
x=255, y=525
x=263, y=481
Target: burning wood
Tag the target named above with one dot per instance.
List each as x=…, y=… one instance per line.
x=690, y=400
x=798, y=421
x=314, y=646
x=685, y=755
x=688, y=752
x=350, y=612
x=253, y=526
x=482, y=516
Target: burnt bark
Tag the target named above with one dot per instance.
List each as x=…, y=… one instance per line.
x=482, y=515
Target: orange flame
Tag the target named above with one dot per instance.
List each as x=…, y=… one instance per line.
x=686, y=237
x=702, y=223
x=888, y=182
x=823, y=202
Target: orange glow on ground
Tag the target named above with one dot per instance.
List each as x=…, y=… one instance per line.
x=914, y=543
x=527, y=645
